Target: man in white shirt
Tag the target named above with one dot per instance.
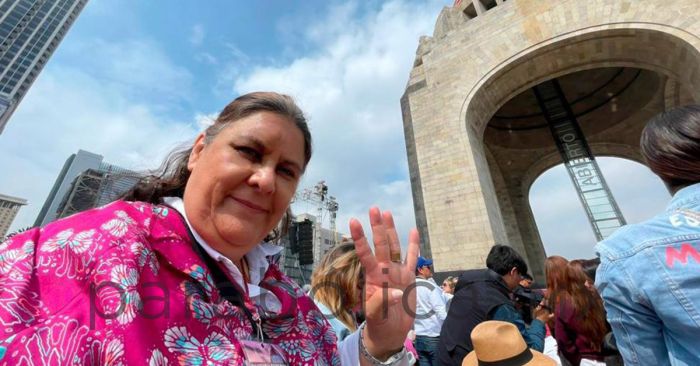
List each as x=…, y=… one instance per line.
x=430, y=313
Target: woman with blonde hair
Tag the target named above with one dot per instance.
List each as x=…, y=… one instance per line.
x=448, y=290
x=448, y=285
x=336, y=287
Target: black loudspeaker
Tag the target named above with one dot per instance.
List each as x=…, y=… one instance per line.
x=305, y=242
x=293, y=240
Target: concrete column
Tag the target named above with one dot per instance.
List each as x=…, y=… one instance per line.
x=480, y=8
x=459, y=201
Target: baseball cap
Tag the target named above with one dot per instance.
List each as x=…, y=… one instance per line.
x=422, y=262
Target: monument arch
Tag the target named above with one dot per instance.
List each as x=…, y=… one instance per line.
x=474, y=140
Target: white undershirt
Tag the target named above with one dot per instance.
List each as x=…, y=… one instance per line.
x=256, y=258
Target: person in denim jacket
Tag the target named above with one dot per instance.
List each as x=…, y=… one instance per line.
x=649, y=275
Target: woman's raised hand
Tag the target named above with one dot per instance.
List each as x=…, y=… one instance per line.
x=390, y=294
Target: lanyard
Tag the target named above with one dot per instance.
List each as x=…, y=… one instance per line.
x=227, y=290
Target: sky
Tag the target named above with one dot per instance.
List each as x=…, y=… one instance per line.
x=561, y=219
x=134, y=79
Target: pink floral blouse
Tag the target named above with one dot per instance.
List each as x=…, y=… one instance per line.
x=121, y=285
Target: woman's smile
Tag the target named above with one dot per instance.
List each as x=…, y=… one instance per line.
x=255, y=208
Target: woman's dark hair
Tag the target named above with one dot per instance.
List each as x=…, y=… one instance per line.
x=588, y=266
x=170, y=178
x=502, y=259
x=670, y=145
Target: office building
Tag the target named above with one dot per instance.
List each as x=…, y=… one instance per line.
x=30, y=31
x=84, y=182
x=96, y=187
x=9, y=206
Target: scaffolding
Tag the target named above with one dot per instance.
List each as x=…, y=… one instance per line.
x=325, y=206
x=95, y=188
x=318, y=196
x=83, y=193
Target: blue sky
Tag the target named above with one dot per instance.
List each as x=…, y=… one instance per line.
x=132, y=79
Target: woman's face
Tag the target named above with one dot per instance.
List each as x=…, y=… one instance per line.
x=446, y=288
x=242, y=181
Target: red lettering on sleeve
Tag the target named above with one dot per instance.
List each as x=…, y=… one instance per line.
x=673, y=254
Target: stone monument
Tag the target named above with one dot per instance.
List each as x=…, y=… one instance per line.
x=476, y=136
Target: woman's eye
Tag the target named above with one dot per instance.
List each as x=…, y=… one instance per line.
x=287, y=172
x=248, y=152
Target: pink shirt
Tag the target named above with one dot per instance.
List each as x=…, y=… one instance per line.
x=121, y=284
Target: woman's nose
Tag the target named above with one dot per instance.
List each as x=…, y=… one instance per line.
x=264, y=179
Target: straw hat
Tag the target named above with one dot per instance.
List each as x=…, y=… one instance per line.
x=500, y=344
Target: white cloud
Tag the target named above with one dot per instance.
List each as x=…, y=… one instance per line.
x=197, y=35
x=71, y=108
x=350, y=88
x=134, y=68
x=639, y=192
x=203, y=121
x=237, y=61
x=561, y=219
x=114, y=102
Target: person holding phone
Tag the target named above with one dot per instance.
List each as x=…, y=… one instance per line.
x=182, y=271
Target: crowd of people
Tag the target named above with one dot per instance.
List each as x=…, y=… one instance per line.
x=637, y=303
x=182, y=271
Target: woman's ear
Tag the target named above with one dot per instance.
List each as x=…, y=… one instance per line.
x=197, y=148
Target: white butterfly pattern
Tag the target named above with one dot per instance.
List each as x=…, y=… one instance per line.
x=114, y=353
x=64, y=246
x=119, y=226
x=145, y=256
x=157, y=359
x=77, y=243
x=215, y=349
x=28, y=247
x=203, y=277
x=8, y=259
x=121, y=296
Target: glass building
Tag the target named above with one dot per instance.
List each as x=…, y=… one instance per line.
x=84, y=182
x=95, y=188
x=30, y=30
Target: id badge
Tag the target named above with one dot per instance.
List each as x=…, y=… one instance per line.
x=258, y=353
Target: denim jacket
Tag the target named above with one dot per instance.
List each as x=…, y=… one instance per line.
x=649, y=278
